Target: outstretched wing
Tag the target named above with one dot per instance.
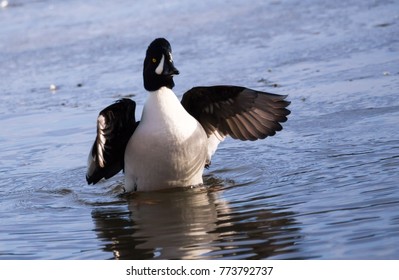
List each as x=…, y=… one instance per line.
x=115, y=126
x=240, y=112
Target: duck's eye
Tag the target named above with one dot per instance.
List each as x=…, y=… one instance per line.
x=154, y=60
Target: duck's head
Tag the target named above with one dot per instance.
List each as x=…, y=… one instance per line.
x=158, y=66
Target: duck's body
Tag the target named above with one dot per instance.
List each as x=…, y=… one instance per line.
x=168, y=148
x=175, y=140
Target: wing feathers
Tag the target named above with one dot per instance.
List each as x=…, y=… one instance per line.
x=115, y=126
x=101, y=125
x=240, y=112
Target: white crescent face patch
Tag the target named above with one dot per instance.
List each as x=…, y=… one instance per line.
x=159, y=68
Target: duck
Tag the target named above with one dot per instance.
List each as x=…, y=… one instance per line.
x=174, y=141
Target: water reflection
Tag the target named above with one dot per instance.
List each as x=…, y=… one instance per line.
x=194, y=224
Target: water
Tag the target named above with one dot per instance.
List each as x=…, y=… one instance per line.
x=326, y=187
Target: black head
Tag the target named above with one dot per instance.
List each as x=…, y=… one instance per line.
x=158, y=66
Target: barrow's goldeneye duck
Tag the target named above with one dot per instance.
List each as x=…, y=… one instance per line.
x=174, y=141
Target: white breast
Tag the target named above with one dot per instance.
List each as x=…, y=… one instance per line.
x=168, y=148
x=164, y=112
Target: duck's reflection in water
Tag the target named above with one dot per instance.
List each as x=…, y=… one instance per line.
x=193, y=224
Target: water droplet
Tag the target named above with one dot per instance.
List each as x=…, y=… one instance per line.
x=4, y=4
x=53, y=87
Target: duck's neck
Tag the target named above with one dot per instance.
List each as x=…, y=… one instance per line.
x=153, y=81
x=162, y=94
x=161, y=104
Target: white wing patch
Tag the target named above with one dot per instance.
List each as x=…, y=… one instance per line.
x=101, y=138
x=159, y=69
